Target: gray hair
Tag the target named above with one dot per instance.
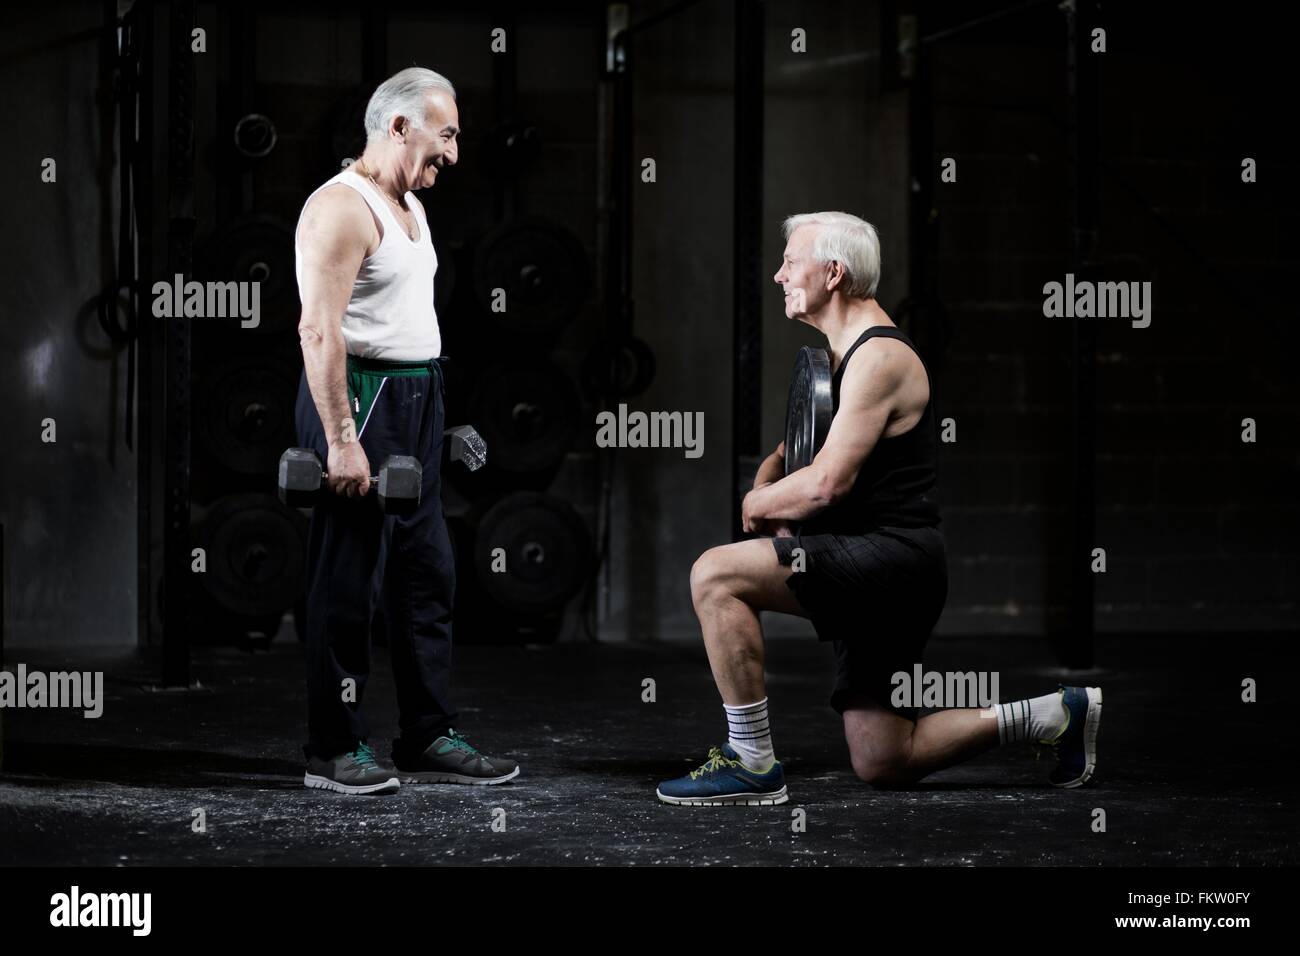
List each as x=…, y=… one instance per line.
x=403, y=94
x=845, y=239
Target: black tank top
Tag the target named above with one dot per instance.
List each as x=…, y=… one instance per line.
x=894, y=484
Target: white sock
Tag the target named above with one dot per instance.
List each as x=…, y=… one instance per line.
x=750, y=735
x=1039, y=718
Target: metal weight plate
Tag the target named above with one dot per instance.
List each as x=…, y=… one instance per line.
x=256, y=550
x=619, y=368
x=255, y=136
x=260, y=249
x=527, y=414
x=247, y=413
x=509, y=149
x=543, y=271
x=546, y=549
x=809, y=409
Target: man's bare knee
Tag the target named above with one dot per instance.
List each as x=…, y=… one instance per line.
x=883, y=774
x=879, y=750
x=708, y=577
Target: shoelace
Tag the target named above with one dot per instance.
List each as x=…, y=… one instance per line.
x=460, y=743
x=364, y=756
x=715, y=761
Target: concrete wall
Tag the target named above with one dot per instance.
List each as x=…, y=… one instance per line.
x=1199, y=528
x=68, y=506
x=832, y=140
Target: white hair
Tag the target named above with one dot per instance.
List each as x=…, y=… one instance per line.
x=848, y=240
x=403, y=94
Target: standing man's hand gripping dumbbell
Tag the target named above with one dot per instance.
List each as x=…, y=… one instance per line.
x=372, y=391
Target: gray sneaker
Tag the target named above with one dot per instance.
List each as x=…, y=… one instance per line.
x=357, y=772
x=451, y=759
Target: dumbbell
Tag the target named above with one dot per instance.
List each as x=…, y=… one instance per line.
x=398, y=481
x=466, y=446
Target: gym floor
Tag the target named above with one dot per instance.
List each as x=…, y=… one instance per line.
x=1184, y=777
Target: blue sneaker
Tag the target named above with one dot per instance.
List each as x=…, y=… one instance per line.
x=1076, y=744
x=723, y=781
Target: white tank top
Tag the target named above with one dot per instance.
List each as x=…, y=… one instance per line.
x=391, y=314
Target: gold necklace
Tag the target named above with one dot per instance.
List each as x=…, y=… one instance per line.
x=410, y=230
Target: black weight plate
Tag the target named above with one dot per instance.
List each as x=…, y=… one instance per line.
x=542, y=268
x=508, y=149
x=809, y=409
x=256, y=550
x=527, y=414
x=255, y=135
x=547, y=552
x=256, y=249
x=620, y=369
x=247, y=417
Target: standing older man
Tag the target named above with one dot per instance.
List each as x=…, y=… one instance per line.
x=372, y=387
x=871, y=572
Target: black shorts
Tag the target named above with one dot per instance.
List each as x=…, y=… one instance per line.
x=876, y=597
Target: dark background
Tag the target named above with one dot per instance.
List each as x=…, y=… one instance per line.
x=1199, y=527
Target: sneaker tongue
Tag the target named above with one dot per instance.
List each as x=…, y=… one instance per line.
x=728, y=752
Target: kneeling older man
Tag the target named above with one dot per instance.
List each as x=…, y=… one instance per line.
x=855, y=547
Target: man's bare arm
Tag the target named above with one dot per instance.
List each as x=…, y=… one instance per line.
x=772, y=468
x=333, y=237
x=868, y=393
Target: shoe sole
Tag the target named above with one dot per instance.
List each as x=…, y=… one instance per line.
x=728, y=800
x=313, y=781
x=433, y=777
x=1091, y=724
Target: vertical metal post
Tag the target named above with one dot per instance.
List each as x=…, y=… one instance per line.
x=180, y=259
x=920, y=136
x=1083, y=130
x=613, y=253
x=2, y=595
x=2, y=638
x=505, y=96
x=142, y=195
x=619, y=313
x=747, y=249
